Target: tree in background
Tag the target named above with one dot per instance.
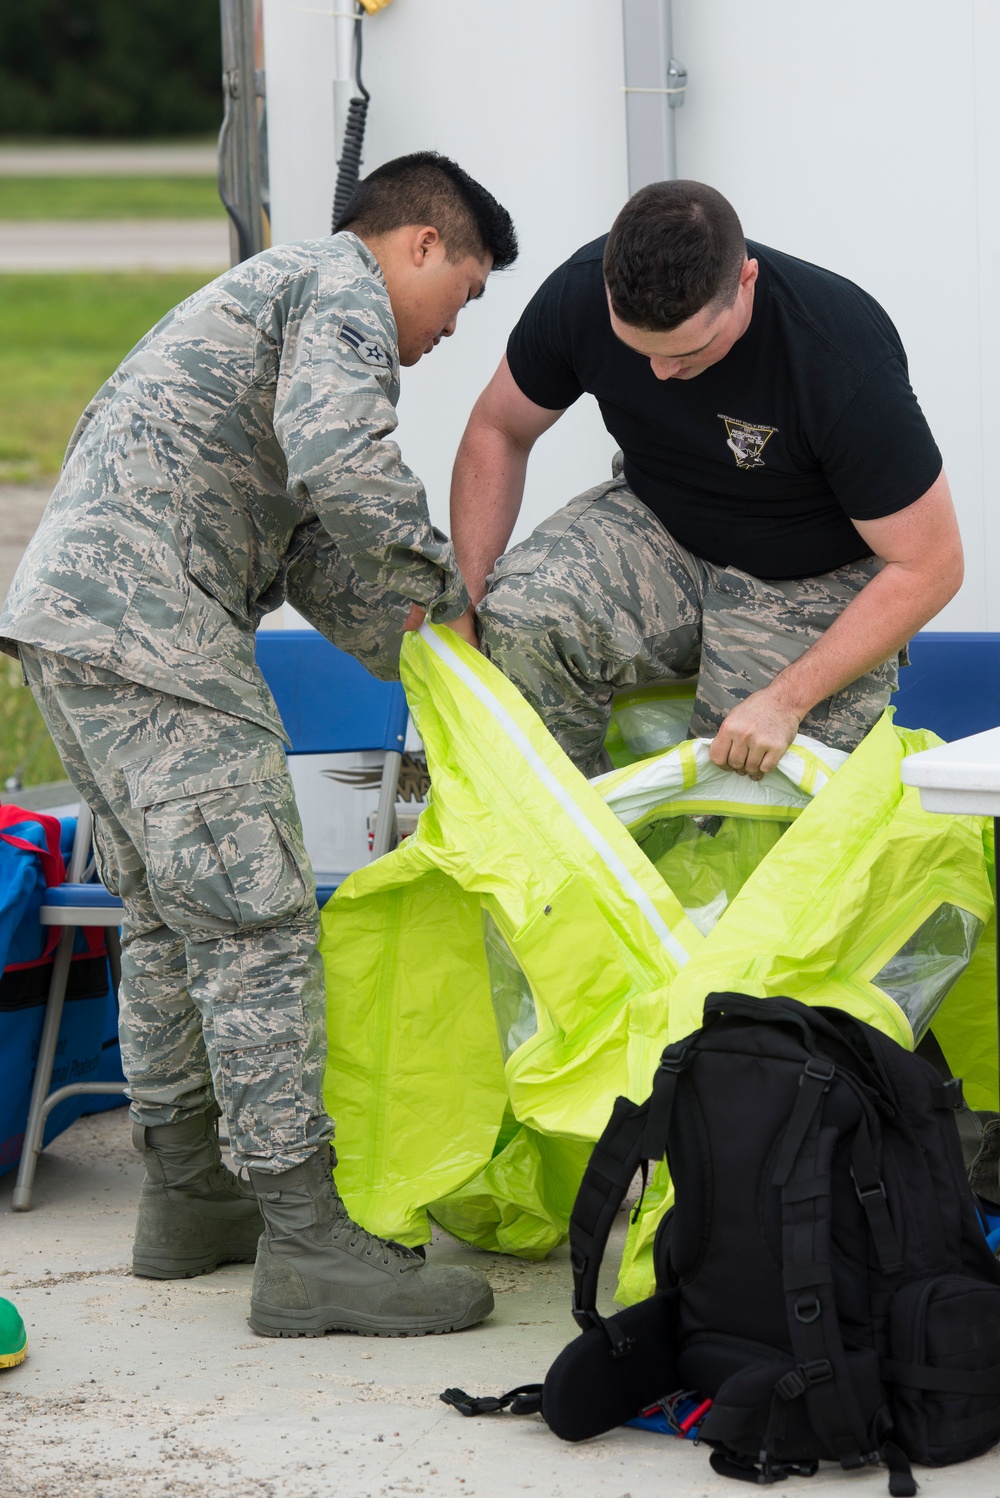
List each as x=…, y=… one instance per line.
x=110, y=67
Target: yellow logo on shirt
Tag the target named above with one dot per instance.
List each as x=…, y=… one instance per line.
x=746, y=441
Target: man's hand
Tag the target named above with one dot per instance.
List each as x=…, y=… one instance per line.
x=755, y=735
x=922, y=550
x=465, y=625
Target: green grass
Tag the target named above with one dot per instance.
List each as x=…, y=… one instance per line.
x=25, y=747
x=109, y=197
x=60, y=339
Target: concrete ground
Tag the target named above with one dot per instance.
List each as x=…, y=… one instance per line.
x=144, y=1389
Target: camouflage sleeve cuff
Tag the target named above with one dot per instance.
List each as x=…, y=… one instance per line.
x=451, y=602
x=432, y=581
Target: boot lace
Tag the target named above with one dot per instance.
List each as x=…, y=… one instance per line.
x=369, y=1244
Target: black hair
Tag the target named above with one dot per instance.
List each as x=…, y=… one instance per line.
x=675, y=248
x=427, y=188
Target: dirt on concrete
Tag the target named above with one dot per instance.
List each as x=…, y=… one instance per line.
x=146, y=1389
x=158, y=1389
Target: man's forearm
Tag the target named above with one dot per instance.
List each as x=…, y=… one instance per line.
x=875, y=625
x=486, y=489
x=922, y=551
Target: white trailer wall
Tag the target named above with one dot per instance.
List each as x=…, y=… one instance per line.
x=863, y=135
x=527, y=97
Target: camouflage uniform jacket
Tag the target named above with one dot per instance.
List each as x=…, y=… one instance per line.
x=257, y=408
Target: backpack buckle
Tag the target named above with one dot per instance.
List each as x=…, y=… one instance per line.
x=795, y=1384
x=676, y=1057
x=948, y=1095
x=819, y=1069
x=864, y=1195
x=584, y=1318
x=465, y=1404
x=619, y=1345
x=526, y=1399
x=763, y=1472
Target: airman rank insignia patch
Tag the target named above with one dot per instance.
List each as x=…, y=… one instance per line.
x=366, y=348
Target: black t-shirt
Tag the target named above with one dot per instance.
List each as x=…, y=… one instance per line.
x=760, y=461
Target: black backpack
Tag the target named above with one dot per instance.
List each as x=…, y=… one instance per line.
x=823, y=1277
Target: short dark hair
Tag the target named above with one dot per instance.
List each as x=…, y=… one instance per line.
x=675, y=248
x=427, y=188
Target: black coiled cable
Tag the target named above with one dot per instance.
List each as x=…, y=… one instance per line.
x=349, y=165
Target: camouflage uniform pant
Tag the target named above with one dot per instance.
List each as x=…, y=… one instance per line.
x=222, y=993
x=600, y=598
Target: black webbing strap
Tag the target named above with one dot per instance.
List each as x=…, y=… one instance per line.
x=901, y=1482
x=732, y=1464
x=930, y=1049
x=675, y=1059
x=526, y=1399
x=612, y=1165
x=814, y=1329
x=870, y=1189
x=948, y=1096
x=942, y=1380
x=814, y=1081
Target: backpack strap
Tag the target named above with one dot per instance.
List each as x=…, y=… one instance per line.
x=526, y=1399
x=50, y=857
x=675, y=1059
x=614, y=1161
x=821, y=1377
x=971, y=1125
x=870, y=1190
x=983, y=1381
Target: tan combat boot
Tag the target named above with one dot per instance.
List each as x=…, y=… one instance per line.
x=317, y=1271
x=194, y=1214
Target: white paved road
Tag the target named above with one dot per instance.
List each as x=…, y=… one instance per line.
x=61, y=245
x=95, y=159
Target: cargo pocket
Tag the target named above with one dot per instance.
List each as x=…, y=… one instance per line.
x=223, y=847
x=943, y=1374
x=263, y=1098
x=249, y=826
